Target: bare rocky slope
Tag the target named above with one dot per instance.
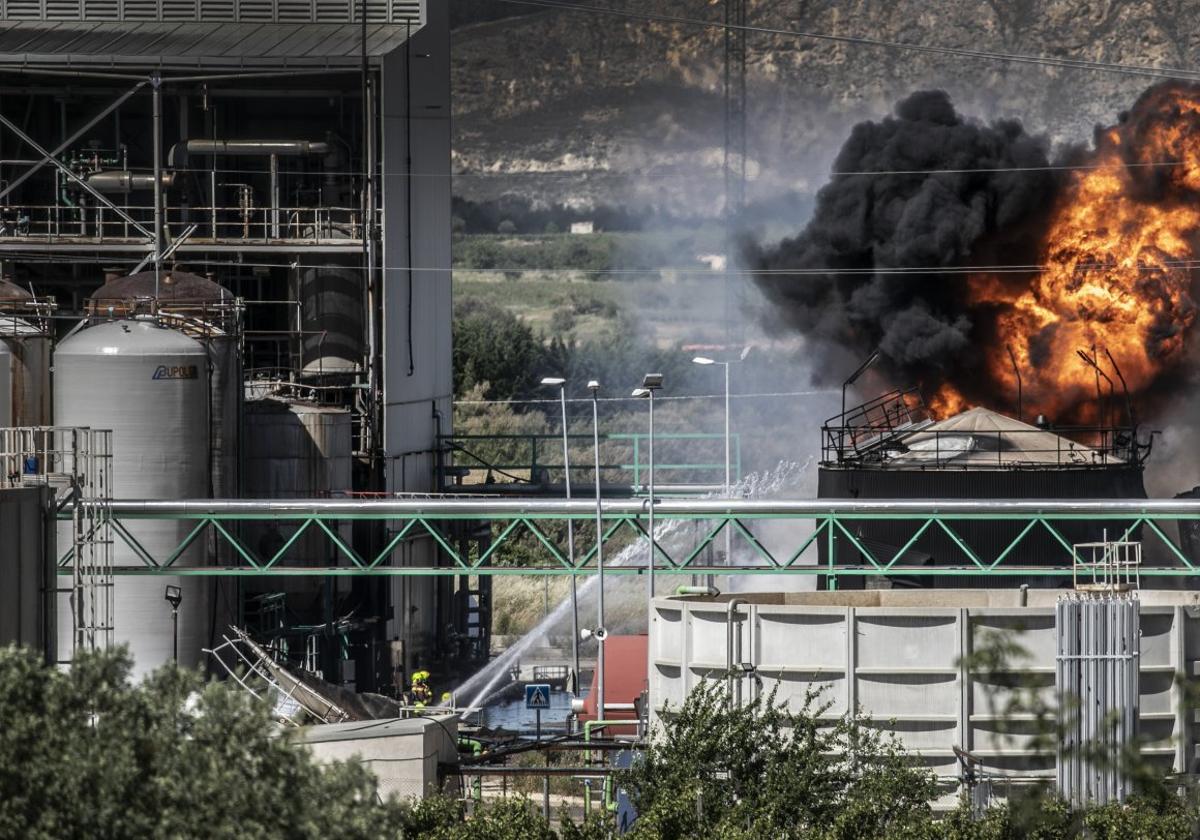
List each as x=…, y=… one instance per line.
x=583, y=109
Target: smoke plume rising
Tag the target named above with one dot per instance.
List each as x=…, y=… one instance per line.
x=922, y=247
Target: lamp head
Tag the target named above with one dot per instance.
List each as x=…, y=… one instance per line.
x=593, y=385
x=553, y=380
x=652, y=381
x=173, y=596
x=640, y=392
x=703, y=360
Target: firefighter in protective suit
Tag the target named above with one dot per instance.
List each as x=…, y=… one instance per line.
x=422, y=694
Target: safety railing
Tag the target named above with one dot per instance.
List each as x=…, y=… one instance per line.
x=1027, y=538
x=681, y=459
x=246, y=221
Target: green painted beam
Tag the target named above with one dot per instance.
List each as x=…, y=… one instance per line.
x=426, y=520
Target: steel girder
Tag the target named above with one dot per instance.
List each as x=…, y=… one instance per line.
x=680, y=551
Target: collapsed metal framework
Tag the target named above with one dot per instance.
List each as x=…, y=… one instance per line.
x=678, y=549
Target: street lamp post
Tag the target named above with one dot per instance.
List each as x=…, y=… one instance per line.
x=651, y=382
x=174, y=597
x=703, y=360
x=600, y=633
x=562, y=395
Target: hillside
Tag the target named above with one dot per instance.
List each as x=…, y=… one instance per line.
x=583, y=109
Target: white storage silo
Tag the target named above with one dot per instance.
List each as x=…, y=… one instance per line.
x=208, y=312
x=149, y=385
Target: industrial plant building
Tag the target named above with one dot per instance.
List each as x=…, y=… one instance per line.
x=225, y=242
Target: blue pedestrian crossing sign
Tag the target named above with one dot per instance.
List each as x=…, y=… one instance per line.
x=537, y=696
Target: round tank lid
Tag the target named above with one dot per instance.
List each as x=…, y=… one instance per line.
x=11, y=291
x=173, y=287
x=128, y=338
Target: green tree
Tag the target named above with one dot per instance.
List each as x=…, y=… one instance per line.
x=491, y=345
x=761, y=770
x=88, y=753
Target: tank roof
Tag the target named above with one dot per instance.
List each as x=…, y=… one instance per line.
x=983, y=437
x=11, y=291
x=128, y=338
x=173, y=287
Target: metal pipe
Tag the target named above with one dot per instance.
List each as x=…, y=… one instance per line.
x=515, y=770
x=730, y=608
x=274, y=195
x=653, y=545
x=156, y=89
x=257, y=147
x=66, y=171
x=710, y=591
x=728, y=481
x=374, y=388
x=450, y=508
x=124, y=181
x=51, y=156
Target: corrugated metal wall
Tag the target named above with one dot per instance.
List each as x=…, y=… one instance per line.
x=906, y=666
x=987, y=539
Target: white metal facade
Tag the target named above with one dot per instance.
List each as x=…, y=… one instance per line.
x=899, y=661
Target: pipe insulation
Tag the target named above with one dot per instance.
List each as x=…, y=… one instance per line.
x=124, y=181
x=258, y=147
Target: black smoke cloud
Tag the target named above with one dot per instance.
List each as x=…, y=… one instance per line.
x=859, y=275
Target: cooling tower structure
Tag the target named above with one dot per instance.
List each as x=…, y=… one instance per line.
x=150, y=385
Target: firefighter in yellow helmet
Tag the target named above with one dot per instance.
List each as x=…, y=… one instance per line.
x=422, y=694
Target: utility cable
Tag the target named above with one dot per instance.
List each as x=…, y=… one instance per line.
x=699, y=271
x=1083, y=167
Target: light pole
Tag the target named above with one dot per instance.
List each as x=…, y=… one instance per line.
x=651, y=382
x=562, y=395
x=174, y=597
x=704, y=360
x=600, y=633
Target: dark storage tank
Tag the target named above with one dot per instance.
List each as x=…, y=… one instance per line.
x=978, y=454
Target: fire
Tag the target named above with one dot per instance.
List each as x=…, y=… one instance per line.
x=1115, y=262
x=947, y=401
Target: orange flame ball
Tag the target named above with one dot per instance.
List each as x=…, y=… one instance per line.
x=1114, y=257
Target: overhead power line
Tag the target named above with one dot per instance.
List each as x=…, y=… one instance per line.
x=1018, y=58
x=949, y=270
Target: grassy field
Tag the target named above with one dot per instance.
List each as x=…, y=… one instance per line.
x=582, y=286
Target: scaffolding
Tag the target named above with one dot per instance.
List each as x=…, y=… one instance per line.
x=76, y=464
